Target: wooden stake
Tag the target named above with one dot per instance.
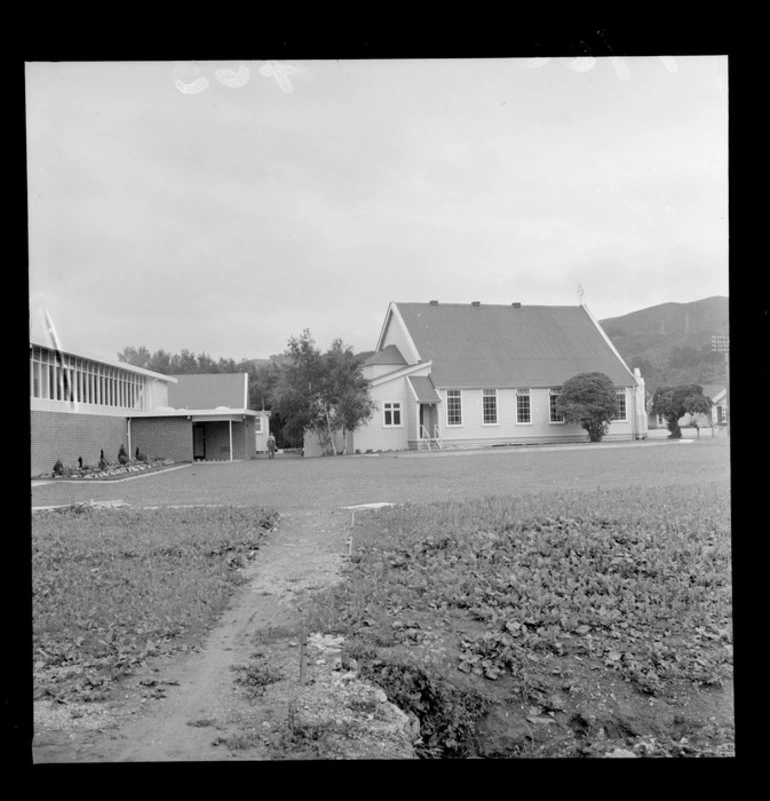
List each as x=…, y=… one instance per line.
x=302, y=655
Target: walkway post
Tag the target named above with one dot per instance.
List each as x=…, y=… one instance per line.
x=230, y=427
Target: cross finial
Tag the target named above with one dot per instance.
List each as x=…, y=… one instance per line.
x=580, y=292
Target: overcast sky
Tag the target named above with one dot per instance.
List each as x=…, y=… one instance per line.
x=224, y=206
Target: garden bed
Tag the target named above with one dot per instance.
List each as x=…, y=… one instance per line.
x=560, y=624
x=112, y=588
x=109, y=471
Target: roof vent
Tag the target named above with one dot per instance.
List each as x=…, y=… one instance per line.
x=434, y=303
x=516, y=305
x=476, y=303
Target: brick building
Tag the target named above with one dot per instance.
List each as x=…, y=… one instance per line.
x=80, y=406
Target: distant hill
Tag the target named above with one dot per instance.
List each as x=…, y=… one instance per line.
x=671, y=343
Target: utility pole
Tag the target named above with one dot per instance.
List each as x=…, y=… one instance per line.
x=721, y=344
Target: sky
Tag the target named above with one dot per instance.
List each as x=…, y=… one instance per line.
x=223, y=207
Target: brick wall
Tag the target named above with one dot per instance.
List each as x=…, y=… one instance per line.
x=218, y=439
x=65, y=436
x=164, y=437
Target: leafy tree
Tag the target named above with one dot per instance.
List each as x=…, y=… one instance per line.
x=674, y=403
x=139, y=357
x=348, y=389
x=589, y=400
x=323, y=393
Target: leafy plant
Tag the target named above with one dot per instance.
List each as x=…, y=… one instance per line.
x=122, y=455
x=113, y=587
x=58, y=468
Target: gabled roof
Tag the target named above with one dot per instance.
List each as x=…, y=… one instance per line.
x=423, y=389
x=713, y=390
x=209, y=390
x=506, y=346
x=389, y=355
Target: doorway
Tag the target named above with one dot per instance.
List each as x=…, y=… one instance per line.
x=199, y=441
x=428, y=420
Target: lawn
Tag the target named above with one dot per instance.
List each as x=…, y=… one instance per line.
x=547, y=606
x=295, y=483
x=112, y=588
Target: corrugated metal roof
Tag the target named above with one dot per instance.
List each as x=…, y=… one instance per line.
x=423, y=389
x=389, y=355
x=501, y=346
x=207, y=391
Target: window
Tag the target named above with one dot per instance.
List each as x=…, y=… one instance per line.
x=620, y=399
x=523, y=414
x=391, y=414
x=489, y=406
x=454, y=407
x=554, y=394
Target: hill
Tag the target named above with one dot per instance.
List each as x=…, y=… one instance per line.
x=671, y=343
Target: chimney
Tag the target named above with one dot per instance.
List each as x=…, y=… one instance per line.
x=434, y=303
x=476, y=303
x=516, y=305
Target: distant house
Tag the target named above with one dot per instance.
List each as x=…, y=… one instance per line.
x=718, y=416
x=719, y=411
x=470, y=375
x=80, y=405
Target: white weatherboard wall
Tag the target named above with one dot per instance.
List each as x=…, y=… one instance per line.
x=375, y=436
x=540, y=429
x=396, y=335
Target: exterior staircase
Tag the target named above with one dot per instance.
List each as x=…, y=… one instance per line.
x=428, y=443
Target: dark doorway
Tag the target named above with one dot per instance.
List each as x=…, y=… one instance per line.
x=199, y=441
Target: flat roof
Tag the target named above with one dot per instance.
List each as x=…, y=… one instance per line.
x=166, y=412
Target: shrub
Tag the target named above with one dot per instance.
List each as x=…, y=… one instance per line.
x=122, y=455
x=58, y=468
x=102, y=460
x=588, y=399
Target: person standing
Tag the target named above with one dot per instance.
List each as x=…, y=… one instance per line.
x=271, y=447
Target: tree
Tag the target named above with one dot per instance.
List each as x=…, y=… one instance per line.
x=674, y=403
x=348, y=390
x=322, y=393
x=589, y=400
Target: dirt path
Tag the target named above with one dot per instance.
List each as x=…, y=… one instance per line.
x=189, y=707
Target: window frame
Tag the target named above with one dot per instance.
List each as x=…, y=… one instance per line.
x=257, y=425
x=459, y=397
x=395, y=408
x=618, y=418
x=493, y=396
x=524, y=393
x=553, y=394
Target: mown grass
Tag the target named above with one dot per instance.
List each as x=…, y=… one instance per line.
x=637, y=580
x=112, y=587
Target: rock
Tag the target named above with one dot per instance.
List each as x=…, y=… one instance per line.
x=620, y=753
